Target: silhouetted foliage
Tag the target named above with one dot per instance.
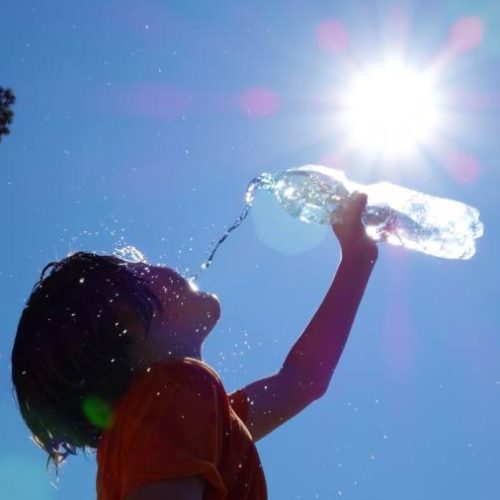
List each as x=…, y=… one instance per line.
x=7, y=99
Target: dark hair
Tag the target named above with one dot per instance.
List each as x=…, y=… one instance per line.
x=71, y=357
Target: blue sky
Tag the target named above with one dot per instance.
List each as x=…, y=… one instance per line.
x=142, y=123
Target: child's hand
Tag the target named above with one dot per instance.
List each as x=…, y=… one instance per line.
x=351, y=232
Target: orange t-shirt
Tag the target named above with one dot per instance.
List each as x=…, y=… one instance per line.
x=175, y=421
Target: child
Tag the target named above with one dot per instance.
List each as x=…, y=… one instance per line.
x=107, y=355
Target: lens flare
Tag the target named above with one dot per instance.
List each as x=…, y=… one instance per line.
x=259, y=102
x=98, y=411
x=332, y=36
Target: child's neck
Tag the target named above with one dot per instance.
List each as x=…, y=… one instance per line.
x=147, y=354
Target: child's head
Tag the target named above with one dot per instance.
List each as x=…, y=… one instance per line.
x=90, y=324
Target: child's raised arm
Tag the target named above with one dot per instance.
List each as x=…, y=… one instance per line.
x=310, y=364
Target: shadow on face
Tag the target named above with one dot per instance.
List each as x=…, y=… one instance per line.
x=188, y=315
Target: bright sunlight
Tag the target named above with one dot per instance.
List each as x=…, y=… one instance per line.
x=390, y=109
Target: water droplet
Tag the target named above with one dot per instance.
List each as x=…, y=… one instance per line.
x=130, y=254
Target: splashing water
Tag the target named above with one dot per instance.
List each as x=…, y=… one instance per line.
x=264, y=181
x=130, y=254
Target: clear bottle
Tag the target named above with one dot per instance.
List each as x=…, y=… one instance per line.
x=400, y=216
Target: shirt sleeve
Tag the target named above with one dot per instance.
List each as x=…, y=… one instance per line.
x=175, y=431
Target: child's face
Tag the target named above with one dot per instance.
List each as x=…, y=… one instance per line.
x=187, y=315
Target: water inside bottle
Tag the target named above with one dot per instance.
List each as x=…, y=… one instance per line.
x=400, y=216
x=313, y=194
x=432, y=225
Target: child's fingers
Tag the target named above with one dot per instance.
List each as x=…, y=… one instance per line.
x=357, y=205
x=351, y=212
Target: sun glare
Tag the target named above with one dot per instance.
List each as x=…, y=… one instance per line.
x=390, y=109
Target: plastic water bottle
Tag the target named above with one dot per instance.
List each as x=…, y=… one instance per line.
x=400, y=216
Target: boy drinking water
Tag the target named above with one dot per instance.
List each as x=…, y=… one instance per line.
x=107, y=356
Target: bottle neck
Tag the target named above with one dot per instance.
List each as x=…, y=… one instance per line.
x=263, y=181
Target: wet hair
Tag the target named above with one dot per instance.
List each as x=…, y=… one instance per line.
x=71, y=358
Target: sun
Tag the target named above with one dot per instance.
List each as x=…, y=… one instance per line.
x=390, y=109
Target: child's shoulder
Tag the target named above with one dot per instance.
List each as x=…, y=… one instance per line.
x=190, y=373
